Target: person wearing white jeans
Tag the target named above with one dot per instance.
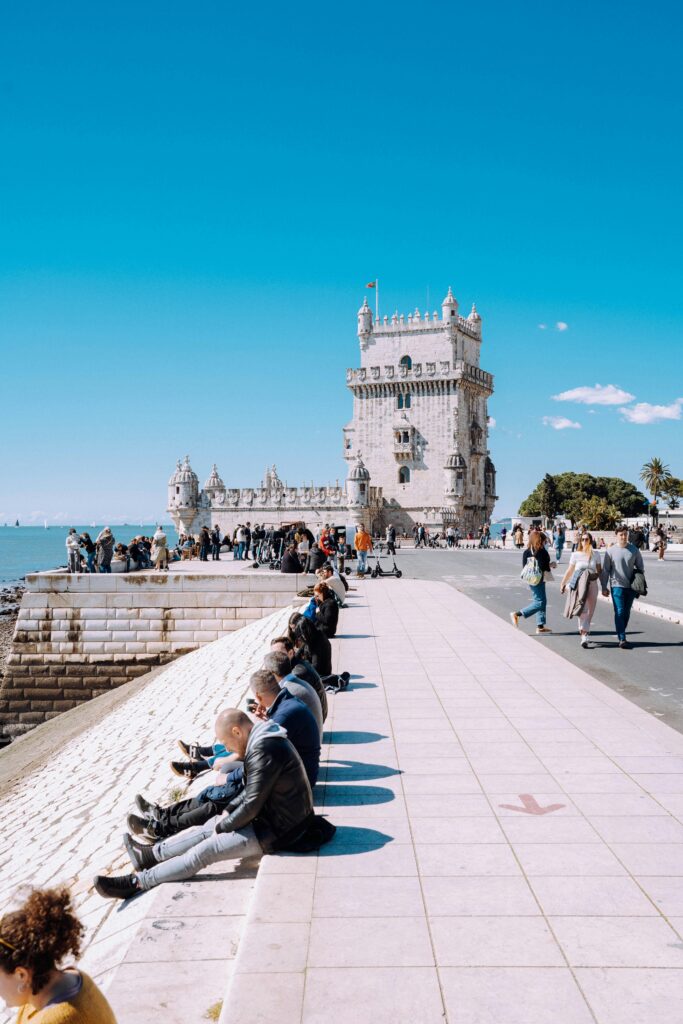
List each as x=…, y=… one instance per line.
x=183, y=855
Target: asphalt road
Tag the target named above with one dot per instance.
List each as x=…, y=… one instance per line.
x=650, y=675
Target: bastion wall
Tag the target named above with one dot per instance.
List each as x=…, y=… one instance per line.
x=78, y=636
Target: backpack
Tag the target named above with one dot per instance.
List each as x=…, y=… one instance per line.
x=318, y=832
x=531, y=573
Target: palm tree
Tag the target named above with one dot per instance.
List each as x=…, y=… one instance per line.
x=656, y=477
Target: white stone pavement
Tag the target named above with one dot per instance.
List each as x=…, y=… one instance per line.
x=446, y=894
x=64, y=822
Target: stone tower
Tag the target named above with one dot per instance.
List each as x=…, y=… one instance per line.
x=183, y=496
x=420, y=416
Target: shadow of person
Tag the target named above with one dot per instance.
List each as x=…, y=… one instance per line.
x=356, y=771
x=350, y=840
x=352, y=736
x=352, y=796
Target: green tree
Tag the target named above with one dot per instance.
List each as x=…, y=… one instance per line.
x=548, y=497
x=599, y=514
x=673, y=493
x=656, y=477
x=573, y=489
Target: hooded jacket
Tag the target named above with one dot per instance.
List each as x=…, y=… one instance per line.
x=276, y=800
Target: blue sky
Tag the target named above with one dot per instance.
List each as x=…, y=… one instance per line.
x=193, y=198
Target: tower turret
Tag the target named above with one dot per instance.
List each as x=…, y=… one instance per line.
x=364, y=324
x=455, y=472
x=358, y=490
x=474, y=318
x=214, y=485
x=449, y=306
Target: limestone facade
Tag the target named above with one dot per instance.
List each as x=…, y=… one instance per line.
x=417, y=445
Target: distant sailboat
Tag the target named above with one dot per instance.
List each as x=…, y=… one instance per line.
x=17, y=523
x=45, y=524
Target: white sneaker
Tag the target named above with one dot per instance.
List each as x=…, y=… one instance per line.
x=584, y=641
x=514, y=619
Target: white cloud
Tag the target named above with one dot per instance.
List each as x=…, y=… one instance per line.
x=610, y=394
x=643, y=412
x=561, y=326
x=542, y=327
x=560, y=423
x=492, y=423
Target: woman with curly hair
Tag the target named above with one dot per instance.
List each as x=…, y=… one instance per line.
x=34, y=940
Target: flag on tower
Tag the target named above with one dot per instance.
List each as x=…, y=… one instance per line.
x=372, y=284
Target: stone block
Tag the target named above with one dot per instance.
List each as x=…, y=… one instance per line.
x=181, y=636
x=157, y=647
x=94, y=635
x=32, y=717
x=93, y=647
x=73, y=694
x=101, y=583
x=134, y=671
x=219, y=600
x=227, y=625
x=124, y=635
x=114, y=647
x=17, y=706
x=191, y=624
x=88, y=614
x=92, y=600
x=29, y=625
x=57, y=670
x=67, y=647
x=181, y=647
x=253, y=613
x=123, y=614
x=44, y=693
x=42, y=705
x=256, y=599
x=202, y=636
x=209, y=625
x=34, y=601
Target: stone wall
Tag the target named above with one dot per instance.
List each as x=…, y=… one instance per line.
x=78, y=636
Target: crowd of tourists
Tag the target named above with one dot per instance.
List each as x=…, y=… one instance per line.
x=104, y=555
x=267, y=759
x=616, y=571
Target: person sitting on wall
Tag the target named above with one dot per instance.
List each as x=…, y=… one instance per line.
x=273, y=702
x=301, y=668
x=273, y=811
x=290, y=560
x=316, y=559
x=313, y=646
x=281, y=667
x=336, y=583
x=327, y=610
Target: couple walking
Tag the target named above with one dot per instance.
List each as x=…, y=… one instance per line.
x=615, y=572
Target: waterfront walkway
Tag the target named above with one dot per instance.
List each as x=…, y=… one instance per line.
x=509, y=845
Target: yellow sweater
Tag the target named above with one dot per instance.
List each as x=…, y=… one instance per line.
x=88, y=1007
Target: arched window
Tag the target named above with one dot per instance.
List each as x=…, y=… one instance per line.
x=405, y=438
x=404, y=475
x=399, y=402
x=406, y=361
x=406, y=402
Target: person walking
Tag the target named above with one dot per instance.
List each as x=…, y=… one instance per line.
x=391, y=540
x=535, y=575
x=503, y=535
x=620, y=564
x=363, y=545
x=581, y=578
x=204, y=544
x=35, y=939
x=73, y=550
x=518, y=536
x=662, y=541
x=105, y=549
x=559, y=538
x=216, y=544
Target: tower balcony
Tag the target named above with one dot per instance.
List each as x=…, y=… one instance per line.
x=404, y=451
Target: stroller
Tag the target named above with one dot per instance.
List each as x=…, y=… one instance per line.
x=379, y=571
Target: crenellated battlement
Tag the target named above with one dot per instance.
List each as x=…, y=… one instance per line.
x=423, y=323
x=441, y=370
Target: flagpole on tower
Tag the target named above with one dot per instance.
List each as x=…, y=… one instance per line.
x=376, y=299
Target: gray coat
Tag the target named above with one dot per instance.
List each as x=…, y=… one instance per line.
x=576, y=596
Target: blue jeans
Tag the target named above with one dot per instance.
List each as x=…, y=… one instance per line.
x=105, y=568
x=622, y=599
x=91, y=562
x=182, y=856
x=558, y=551
x=362, y=561
x=240, y=550
x=538, y=603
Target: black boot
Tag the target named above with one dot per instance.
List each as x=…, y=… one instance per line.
x=145, y=827
x=148, y=809
x=117, y=887
x=189, y=769
x=140, y=856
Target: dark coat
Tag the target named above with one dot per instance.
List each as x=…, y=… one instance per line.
x=302, y=730
x=290, y=562
x=304, y=670
x=276, y=799
x=328, y=617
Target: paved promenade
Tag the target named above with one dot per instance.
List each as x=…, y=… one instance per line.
x=509, y=845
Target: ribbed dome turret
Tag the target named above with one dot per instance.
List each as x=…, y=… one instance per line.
x=474, y=315
x=214, y=480
x=455, y=461
x=358, y=471
x=185, y=473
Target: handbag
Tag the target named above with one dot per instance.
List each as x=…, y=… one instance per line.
x=531, y=572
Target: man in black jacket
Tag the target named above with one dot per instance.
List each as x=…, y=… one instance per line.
x=272, y=812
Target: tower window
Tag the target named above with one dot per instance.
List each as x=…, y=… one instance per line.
x=399, y=402
x=406, y=361
x=362, y=488
x=405, y=437
x=404, y=475
x=406, y=402
x=177, y=490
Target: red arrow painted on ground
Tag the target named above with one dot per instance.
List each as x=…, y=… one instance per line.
x=531, y=806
